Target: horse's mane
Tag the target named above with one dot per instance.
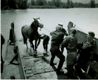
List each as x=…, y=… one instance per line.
x=34, y=24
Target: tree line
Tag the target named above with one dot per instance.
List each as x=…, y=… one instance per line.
x=13, y=4
x=23, y=4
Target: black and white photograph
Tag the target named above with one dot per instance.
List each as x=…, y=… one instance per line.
x=49, y=39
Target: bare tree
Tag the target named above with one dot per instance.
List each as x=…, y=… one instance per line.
x=92, y=3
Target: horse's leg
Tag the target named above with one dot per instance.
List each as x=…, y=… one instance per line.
x=31, y=44
x=36, y=45
x=35, y=48
x=38, y=42
x=25, y=41
x=27, y=46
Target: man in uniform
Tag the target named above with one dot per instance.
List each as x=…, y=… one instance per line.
x=57, y=38
x=70, y=42
x=87, y=54
x=70, y=27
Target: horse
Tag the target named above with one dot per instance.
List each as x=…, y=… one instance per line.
x=31, y=33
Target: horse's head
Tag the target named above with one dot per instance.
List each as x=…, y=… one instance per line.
x=41, y=25
x=36, y=23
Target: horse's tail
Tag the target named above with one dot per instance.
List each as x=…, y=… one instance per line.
x=23, y=34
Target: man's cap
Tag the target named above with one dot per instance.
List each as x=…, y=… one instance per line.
x=36, y=18
x=60, y=24
x=91, y=33
x=58, y=28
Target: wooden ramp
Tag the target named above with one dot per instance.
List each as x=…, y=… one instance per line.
x=35, y=68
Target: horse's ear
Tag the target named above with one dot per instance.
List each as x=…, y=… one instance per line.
x=38, y=18
x=34, y=19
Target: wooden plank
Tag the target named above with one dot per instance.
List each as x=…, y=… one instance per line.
x=33, y=66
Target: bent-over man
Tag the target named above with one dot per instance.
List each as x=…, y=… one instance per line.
x=57, y=38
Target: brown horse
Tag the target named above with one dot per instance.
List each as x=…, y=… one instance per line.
x=31, y=33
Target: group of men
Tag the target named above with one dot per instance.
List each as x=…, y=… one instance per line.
x=78, y=54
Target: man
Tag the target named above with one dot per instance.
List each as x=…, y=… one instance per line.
x=87, y=55
x=70, y=43
x=70, y=27
x=57, y=38
x=12, y=35
x=88, y=51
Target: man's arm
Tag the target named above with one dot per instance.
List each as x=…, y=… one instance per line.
x=64, y=44
x=52, y=33
x=62, y=48
x=65, y=33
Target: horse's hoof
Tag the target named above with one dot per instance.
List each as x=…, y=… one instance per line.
x=45, y=54
x=35, y=55
x=35, y=52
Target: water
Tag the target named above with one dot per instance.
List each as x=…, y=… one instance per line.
x=85, y=19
